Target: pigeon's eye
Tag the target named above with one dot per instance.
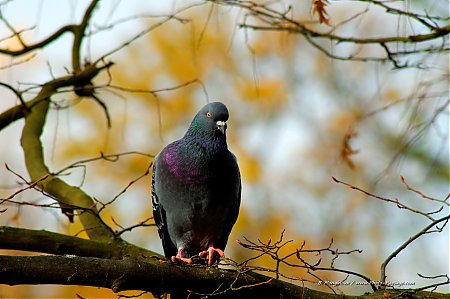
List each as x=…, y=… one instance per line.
x=208, y=114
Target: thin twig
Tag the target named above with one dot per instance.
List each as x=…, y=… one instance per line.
x=142, y=223
x=444, y=201
x=395, y=200
x=422, y=232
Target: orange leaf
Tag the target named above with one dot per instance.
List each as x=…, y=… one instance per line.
x=319, y=8
x=347, y=151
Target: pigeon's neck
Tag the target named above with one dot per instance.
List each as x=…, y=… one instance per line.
x=191, y=159
x=204, y=145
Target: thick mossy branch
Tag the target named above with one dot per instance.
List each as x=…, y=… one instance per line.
x=54, y=243
x=151, y=275
x=67, y=196
x=138, y=269
x=131, y=274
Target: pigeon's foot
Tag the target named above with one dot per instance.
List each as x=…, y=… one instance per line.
x=179, y=257
x=210, y=253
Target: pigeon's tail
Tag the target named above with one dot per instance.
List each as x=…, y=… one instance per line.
x=169, y=248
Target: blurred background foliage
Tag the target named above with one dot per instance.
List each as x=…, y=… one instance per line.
x=297, y=118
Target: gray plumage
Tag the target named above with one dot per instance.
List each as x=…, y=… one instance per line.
x=196, y=189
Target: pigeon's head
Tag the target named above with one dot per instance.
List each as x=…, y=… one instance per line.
x=211, y=120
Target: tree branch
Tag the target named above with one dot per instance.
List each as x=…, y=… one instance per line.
x=41, y=44
x=47, y=90
x=133, y=273
x=78, y=36
x=301, y=29
x=278, y=21
x=271, y=18
x=424, y=231
x=16, y=92
x=67, y=195
x=129, y=274
x=54, y=243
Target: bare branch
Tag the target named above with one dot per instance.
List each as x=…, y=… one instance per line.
x=420, y=18
x=151, y=28
x=155, y=91
x=151, y=275
x=142, y=223
x=110, y=158
x=17, y=93
x=395, y=200
x=14, y=63
x=270, y=19
x=424, y=231
x=147, y=171
x=28, y=48
x=132, y=296
x=30, y=186
x=48, y=89
x=443, y=201
x=273, y=250
x=79, y=34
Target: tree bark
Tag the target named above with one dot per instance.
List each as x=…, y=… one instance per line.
x=157, y=277
x=154, y=276
x=69, y=197
x=53, y=243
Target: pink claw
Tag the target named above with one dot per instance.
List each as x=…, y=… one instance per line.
x=179, y=257
x=210, y=252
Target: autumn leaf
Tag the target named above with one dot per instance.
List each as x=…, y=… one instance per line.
x=347, y=151
x=319, y=8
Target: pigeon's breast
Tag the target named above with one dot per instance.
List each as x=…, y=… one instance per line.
x=184, y=172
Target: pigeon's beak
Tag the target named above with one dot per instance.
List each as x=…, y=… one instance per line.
x=221, y=126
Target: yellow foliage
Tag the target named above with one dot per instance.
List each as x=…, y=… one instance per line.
x=341, y=122
x=187, y=53
x=175, y=110
x=249, y=165
x=323, y=66
x=338, y=136
x=170, y=45
x=273, y=43
x=209, y=48
x=268, y=94
x=391, y=95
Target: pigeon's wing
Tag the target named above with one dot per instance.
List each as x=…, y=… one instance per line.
x=159, y=215
x=233, y=212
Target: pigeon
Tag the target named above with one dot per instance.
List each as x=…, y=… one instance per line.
x=196, y=189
